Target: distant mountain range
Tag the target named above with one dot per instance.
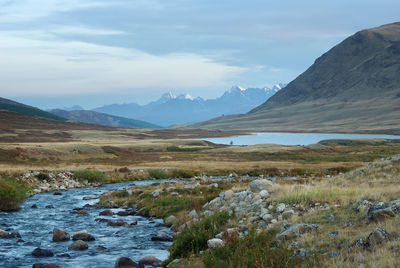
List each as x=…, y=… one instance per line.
x=171, y=109
x=354, y=87
x=13, y=106
x=102, y=119
x=62, y=115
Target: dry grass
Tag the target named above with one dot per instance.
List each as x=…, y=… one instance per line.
x=107, y=150
x=375, y=182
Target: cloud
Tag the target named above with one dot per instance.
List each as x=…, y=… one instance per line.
x=27, y=10
x=83, y=31
x=37, y=67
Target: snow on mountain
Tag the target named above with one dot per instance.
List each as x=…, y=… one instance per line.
x=171, y=109
x=185, y=97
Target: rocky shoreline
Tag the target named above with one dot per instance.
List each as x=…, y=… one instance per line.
x=48, y=181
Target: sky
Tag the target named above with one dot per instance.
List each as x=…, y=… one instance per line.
x=57, y=53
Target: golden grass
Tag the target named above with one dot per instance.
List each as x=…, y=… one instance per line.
x=375, y=182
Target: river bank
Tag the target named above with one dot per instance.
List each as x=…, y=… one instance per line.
x=332, y=221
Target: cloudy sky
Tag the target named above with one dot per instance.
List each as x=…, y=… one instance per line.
x=57, y=53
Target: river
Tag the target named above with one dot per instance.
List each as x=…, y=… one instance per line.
x=36, y=229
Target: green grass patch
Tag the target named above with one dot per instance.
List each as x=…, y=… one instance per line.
x=184, y=149
x=12, y=193
x=90, y=175
x=312, y=196
x=109, y=150
x=158, y=174
x=167, y=174
x=193, y=239
x=170, y=205
x=254, y=250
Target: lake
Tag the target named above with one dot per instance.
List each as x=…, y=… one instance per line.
x=292, y=138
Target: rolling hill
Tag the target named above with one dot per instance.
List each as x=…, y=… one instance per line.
x=354, y=87
x=13, y=106
x=102, y=119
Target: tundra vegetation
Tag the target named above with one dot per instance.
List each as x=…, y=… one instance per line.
x=12, y=193
x=322, y=184
x=340, y=206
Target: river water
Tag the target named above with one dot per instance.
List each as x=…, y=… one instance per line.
x=293, y=138
x=36, y=229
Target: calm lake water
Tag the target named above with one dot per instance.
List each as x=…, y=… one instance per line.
x=293, y=138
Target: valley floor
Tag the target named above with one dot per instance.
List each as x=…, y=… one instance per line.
x=315, y=205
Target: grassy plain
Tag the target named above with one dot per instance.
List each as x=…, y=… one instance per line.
x=131, y=154
x=71, y=146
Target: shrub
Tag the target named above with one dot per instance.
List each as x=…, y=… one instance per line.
x=169, y=205
x=90, y=175
x=11, y=194
x=272, y=172
x=194, y=239
x=158, y=174
x=176, y=173
x=43, y=176
x=180, y=149
x=124, y=170
x=254, y=250
x=182, y=173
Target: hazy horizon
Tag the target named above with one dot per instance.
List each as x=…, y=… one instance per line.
x=92, y=53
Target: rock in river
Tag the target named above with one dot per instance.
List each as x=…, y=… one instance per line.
x=60, y=235
x=124, y=262
x=4, y=234
x=170, y=220
x=45, y=265
x=106, y=212
x=83, y=235
x=82, y=212
x=40, y=252
x=161, y=236
x=118, y=223
x=150, y=260
x=79, y=245
x=123, y=213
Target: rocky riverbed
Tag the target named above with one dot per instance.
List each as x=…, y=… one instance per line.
x=27, y=236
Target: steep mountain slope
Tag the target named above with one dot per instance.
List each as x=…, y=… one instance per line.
x=171, y=109
x=354, y=87
x=13, y=106
x=102, y=119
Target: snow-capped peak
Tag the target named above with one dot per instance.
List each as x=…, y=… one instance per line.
x=279, y=86
x=168, y=96
x=275, y=88
x=237, y=88
x=185, y=97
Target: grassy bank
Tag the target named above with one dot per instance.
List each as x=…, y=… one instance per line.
x=173, y=199
x=12, y=193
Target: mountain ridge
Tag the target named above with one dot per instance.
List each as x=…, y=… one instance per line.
x=13, y=106
x=353, y=87
x=171, y=109
x=93, y=117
